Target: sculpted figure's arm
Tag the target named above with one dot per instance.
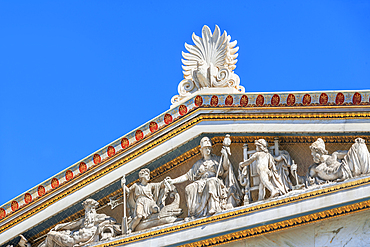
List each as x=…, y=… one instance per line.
x=69, y=225
x=179, y=180
x=248, y=161
x=339, y=154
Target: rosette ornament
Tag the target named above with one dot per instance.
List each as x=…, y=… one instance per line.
x=210, y=63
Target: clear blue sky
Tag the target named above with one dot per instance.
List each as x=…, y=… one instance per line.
x=76, y=75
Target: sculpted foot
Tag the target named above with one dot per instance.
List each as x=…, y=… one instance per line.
x=212, y=211
x=274, y=193
x=189, y=218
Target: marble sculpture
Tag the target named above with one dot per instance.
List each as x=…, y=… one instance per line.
x=340, y=165
x=92, y=228
x=210, y=63
x=284, y=164
x=266, y=169
x=146, y=203
x=214, y=187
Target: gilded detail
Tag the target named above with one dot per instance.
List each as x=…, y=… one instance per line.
x=343, y=210
x=178, y=130
x=236, y=236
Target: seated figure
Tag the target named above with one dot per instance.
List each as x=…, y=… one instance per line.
x=213, y=186
x=146, y=203
x=341, y=164
x=83, y=231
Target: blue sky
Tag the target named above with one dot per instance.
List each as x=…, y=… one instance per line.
x=76, y=75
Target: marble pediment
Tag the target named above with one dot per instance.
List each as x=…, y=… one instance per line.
x=172, y=147
x=318, y=135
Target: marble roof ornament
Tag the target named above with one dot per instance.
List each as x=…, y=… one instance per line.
x=209, y=65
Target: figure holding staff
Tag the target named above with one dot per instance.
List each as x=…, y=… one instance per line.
x=214, y=187
x=144, y=200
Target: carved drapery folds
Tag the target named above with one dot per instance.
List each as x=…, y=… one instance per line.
x=213, y=188
x=92, y=228
x=147, y=203
x=341, y=164
x=210, y=63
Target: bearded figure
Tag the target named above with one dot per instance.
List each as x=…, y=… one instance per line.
x=82, y=231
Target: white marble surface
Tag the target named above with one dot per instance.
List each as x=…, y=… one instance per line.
x=351, y=231
x=211, y=126
x=297, y=236
x=210, y=63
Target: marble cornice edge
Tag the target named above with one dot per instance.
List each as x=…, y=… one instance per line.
x=179, y=129
x=245, y=210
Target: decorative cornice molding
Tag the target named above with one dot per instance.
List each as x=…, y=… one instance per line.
x=282, y=225
x=176, y=131
x=345, y=100
x=169, y=135
x=341, y=210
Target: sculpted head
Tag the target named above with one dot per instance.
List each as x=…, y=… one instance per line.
x=90, y=204
x=318, y=150
x=144, y=174
x=261, y=145
x=206, y=146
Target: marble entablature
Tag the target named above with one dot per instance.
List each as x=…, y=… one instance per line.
x=181, y=171
x=243, y=101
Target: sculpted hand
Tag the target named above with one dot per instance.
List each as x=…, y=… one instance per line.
x=123, y=181
x=293, y=167
x=224, y=152
x=241, y=165
x=169, y=180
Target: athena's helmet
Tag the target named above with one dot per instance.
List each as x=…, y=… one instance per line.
x=205, y=142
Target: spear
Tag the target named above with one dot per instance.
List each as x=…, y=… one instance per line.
x=124, y=218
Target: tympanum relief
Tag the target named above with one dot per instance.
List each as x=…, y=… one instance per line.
x=147, y=203
x=213, y=188
x=92, y=228
x=341, y=164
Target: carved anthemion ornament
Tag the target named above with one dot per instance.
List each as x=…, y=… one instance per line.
x=210, y=63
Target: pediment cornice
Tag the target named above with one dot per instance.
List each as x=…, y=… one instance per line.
x=309, y=211
x=188, y=120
